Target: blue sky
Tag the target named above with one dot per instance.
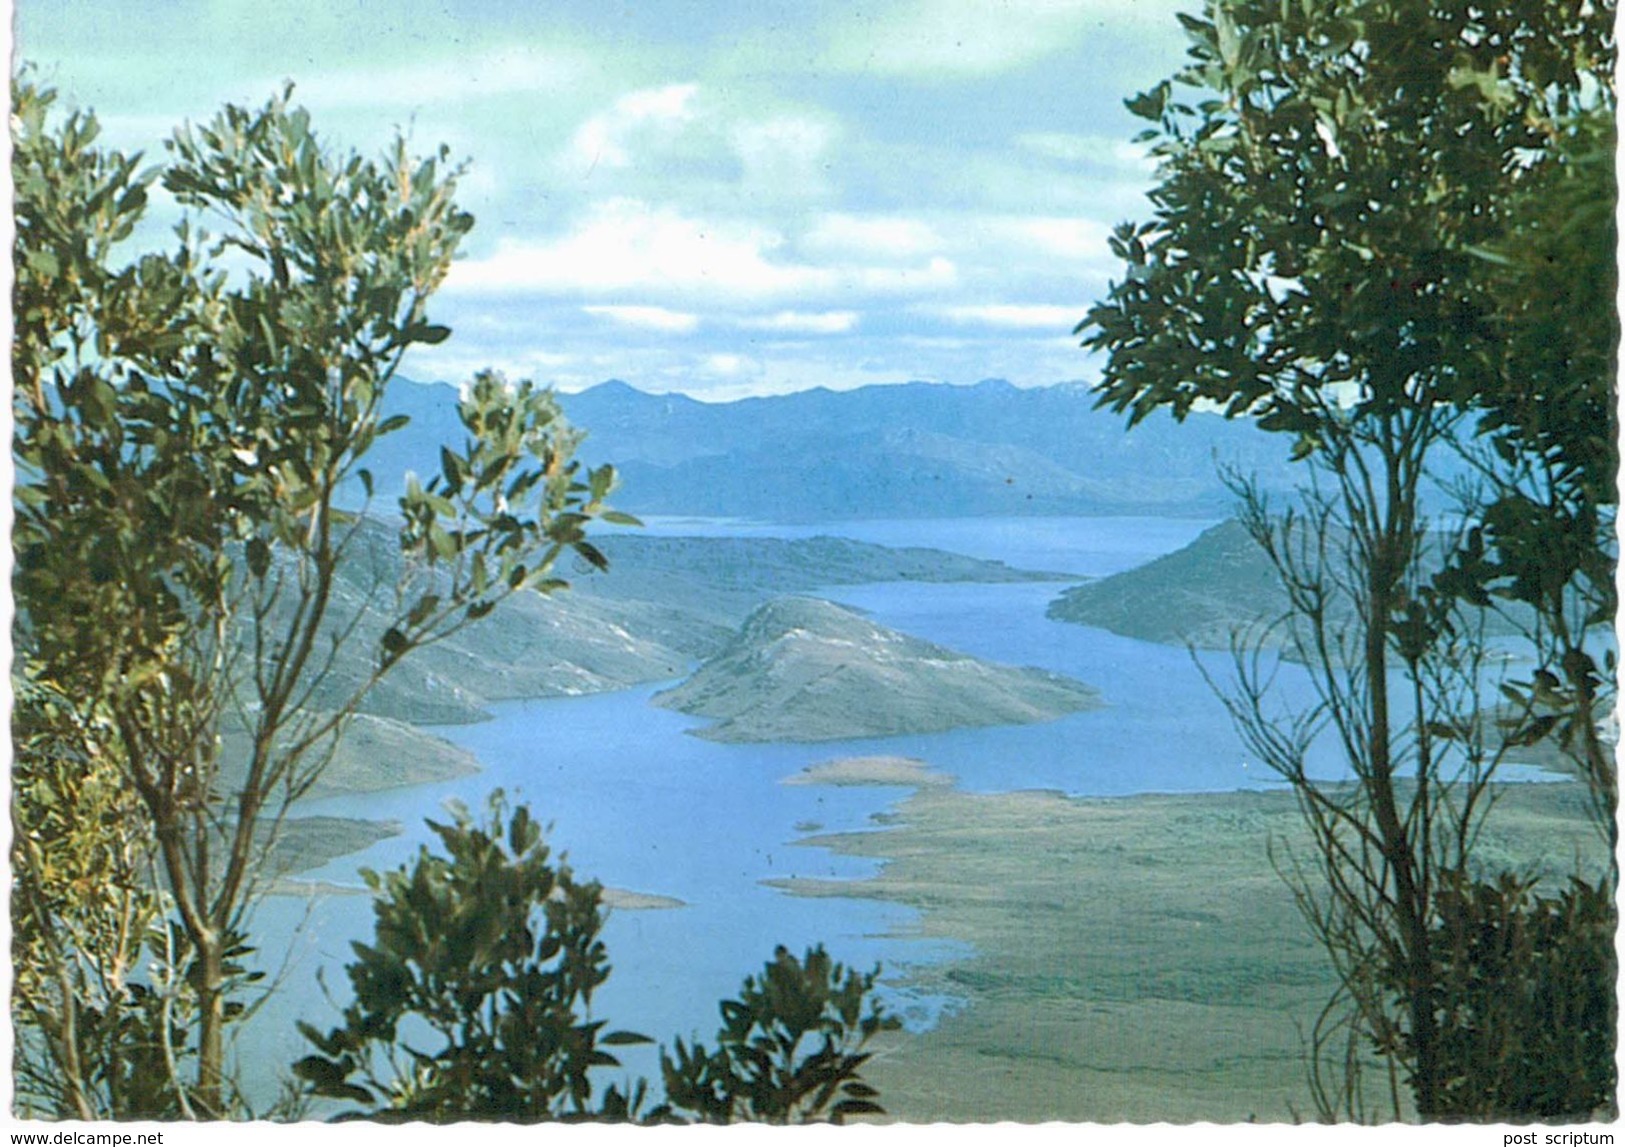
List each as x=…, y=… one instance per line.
x=722, y=198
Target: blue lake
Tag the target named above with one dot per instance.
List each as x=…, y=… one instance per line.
x=638, y=803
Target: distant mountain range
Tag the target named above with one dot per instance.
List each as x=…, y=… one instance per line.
x=912, y=450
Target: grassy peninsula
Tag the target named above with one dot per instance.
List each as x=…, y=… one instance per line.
x=1137, y=959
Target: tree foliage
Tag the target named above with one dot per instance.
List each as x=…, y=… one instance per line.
x=492, y=953
x=1548, y=459
x=1330, y=174
x=185, y=423
x=92, y=1040
x=1526, y=987
x=789, y=1049
x=1338, y=183
x=474, y=1002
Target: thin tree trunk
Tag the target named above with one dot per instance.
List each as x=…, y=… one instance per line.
x=1398, y=848
x=211, y=1030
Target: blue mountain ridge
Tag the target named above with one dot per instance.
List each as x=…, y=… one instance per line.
x=913, y=449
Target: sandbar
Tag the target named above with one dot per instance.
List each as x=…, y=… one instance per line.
x=907, y=772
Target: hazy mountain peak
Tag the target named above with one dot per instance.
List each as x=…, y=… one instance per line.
x=913, y=450
x=617, y=389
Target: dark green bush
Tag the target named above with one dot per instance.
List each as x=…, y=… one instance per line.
x=1524, y=1000
x=789, y=1048
x=472, y=1003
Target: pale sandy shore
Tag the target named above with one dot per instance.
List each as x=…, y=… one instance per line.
x=626, y=900
x=617, y=899
x=906, y=772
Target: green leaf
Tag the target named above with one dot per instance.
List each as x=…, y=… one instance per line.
x=330, y=1080
x=857, y=1107
x=421, y=611
x=1149, y=105
x=393, y=644
x=426, y=333
x=621, y=1039
x=259, y=557
x=1534, y=731
x=451, y=467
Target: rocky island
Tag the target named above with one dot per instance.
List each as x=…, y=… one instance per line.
x=801, y=669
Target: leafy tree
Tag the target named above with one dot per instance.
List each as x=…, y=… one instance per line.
x=491, y=952
x=1526, y=987
x=789, y=1050
x=185, y=422
x=91, y=1038
x=1549, y=465
x=474, y=1002
x=1331, y=176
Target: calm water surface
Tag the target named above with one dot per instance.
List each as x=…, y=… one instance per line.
x=638, y=803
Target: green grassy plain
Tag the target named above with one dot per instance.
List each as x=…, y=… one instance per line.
x=1137, y=959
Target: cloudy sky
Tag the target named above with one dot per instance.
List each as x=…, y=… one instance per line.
x=722, y=197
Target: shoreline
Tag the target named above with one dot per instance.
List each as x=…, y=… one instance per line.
x=1106, y=982
x=612, y=899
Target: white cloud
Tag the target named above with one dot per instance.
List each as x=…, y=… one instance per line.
x=1021, y=317
x=964, y=247
x=804, y=322
x=1103, y=151
x=1062, y=236
x=730, y=366
x=507, y=70
x=937, y=274
x=873, y=236
x=607, y=139
x=784, y=153
x=978, y=37
x=449, y=363
x=649, y=318
x=626, y=245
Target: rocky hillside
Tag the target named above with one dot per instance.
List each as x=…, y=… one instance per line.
x=665, y=603
x=1201, y=594
x=807, y=670
x=1220, y=584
